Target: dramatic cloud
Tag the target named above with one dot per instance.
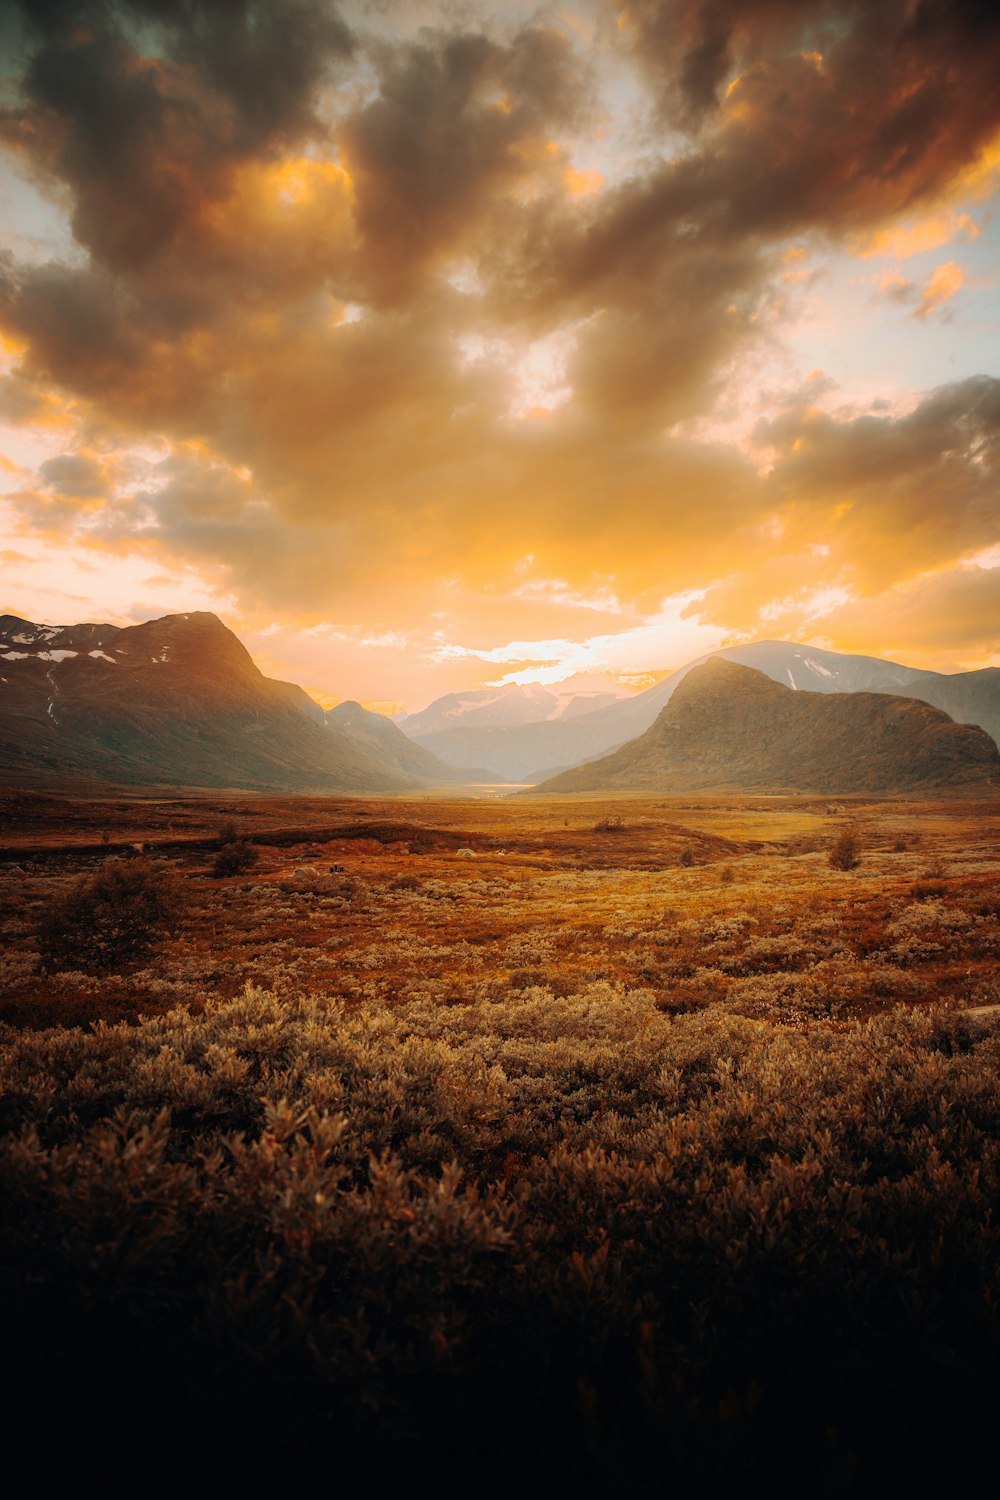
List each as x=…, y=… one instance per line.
x=146, y=110
x=379, y=317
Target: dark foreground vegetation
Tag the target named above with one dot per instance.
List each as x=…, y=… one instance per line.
x=576, y=1235
x=685, y=1205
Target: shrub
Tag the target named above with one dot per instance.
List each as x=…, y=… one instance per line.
x=845, y=851
x=109, y=920
x=414, y=1237
x=235, y=858
x=687, y=856
x=614, y=823
x=228, y=834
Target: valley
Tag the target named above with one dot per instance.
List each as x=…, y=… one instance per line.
x=700, y=902
x=180, y=702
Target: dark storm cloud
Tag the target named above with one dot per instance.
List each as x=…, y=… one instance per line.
x=913, y=491
x=457, y=120
x=901, y=99
x=144, y=107
x=928, y=478
x=691, y=49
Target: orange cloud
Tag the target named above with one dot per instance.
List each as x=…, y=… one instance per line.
x=900, y=241
x=944, y=282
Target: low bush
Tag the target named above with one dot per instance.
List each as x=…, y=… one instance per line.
x=235, y=858
x=845, y=851
x=573, y=1237
x=110, y=920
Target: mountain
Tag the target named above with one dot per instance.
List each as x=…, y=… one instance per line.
x=968, y=697
x=174, y=701
x=533, y=751
x=384, y=740
x=727, y=725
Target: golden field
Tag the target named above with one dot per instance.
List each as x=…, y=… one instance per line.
x=603, y=1145
x=698, y=902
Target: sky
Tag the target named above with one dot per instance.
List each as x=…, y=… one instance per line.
x=443, y=344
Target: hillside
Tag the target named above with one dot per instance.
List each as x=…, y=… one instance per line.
x=175, y=701
x=731, y=726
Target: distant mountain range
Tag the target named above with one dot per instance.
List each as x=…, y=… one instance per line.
x=510, y=707
x=178, y=701
x=533, y=750
x=730, y=726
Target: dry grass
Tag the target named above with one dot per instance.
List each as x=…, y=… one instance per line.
x=701, y=902
x=468, y=1148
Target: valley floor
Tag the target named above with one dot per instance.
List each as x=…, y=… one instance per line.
x=696, y=902
x=609, y=1141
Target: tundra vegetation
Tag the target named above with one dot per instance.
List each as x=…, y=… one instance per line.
x=574, y=1162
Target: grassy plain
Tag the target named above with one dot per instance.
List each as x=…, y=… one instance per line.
x=699, y=901
x=461, y=1141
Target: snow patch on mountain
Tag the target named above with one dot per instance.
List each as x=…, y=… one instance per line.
x=817, y=666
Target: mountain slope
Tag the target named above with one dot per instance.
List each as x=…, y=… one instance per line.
x=727, y=725
x=175, y=701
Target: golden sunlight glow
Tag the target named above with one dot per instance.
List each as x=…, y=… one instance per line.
x=582, y=184
x=304, y=177
x=981, y=177
x=902, y=241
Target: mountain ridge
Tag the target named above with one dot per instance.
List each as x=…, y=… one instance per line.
x=175, y=701
x=730, y=726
